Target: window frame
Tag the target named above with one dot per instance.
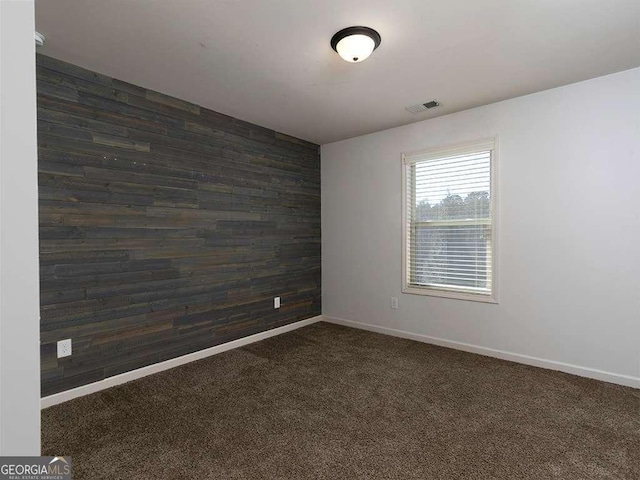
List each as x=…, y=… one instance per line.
x=408, y=158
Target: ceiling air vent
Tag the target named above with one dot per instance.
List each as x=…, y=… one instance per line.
x=421, y=107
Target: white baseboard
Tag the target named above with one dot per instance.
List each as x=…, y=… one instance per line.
x=167, y=364
x=610, y=377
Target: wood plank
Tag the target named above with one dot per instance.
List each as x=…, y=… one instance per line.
x=113, y=141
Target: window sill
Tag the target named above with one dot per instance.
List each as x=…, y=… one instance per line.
x=433, y=292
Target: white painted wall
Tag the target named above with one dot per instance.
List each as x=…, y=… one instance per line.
x=19, y=296
x=569, y=230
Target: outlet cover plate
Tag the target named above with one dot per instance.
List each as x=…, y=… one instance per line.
x=276, y=302
x=64, y=348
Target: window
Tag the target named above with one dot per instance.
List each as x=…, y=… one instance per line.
x=449, y=206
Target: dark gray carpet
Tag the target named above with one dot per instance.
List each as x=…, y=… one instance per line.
x=328, y=402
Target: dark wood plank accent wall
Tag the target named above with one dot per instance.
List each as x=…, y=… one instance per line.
x=165, y=228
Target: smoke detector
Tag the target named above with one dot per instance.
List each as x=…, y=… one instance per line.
x=421, y=107
x=39, y=39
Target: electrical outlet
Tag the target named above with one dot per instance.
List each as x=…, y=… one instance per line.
x=276, y=302
x=64, y=348
x=394, y=302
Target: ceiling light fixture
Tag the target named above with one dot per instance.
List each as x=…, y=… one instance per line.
x=355, y=44
x=39, y=39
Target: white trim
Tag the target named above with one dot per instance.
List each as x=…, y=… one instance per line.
x=495, y=220
x=167, y=364
x=487, y=144
x=619, y=379
x=444, y=292
x=475, y=146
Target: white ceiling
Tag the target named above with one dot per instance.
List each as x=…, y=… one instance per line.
x=269, y=61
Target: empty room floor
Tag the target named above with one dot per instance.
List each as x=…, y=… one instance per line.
x=332, y=402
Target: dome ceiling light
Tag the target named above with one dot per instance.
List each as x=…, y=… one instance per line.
x=39, y=39
x=355, y=44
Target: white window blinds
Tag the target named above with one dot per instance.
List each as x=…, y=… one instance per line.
x=449, y=220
